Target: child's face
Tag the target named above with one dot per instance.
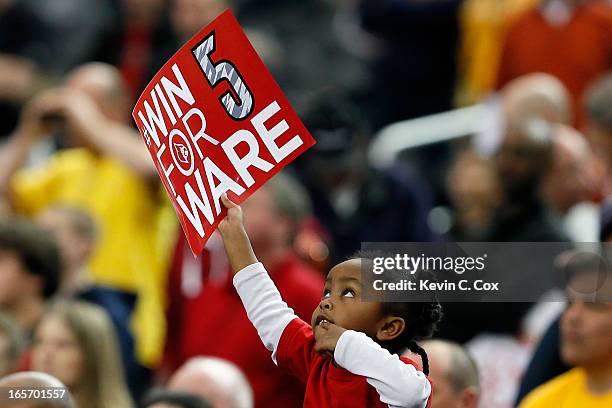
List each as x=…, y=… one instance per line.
x=341, y=303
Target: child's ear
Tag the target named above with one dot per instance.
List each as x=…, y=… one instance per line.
x=391, y=327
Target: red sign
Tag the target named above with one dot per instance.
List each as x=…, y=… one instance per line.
x=214, y=120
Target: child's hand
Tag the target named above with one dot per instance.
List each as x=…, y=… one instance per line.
x=233, y=222
x=237, y=244
x=326, y=336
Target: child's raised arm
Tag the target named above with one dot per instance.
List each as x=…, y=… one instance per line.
x=236, y=241
x=261, y=299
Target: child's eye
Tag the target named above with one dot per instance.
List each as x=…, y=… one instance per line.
x=348, y=293
x=326, y=293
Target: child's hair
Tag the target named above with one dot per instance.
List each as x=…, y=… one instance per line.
x=421, y=320
x=421, y=317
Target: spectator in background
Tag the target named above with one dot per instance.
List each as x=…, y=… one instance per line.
x=307, y=44
x=173, y=399
x=138, y=31
x=538, y=96
x=29, y=271
x=546, y=362
x=76, y=234
x=454, y=374
x=76, y=343
x=569, y=39
x=11, y=345
x=494, y=333
x=75, y=26
x=105, y=170
x=190, y=16
x=598, y=107
x=475, y=193
x=354, y=201
x=217, y=381
x=586, y=342
x=39, y=42
x=415, y=73
x=483, y=26
x=571, y=183
x=34, y=380
x=24, y=47
x=205, y=313
x=522, y=162
x=501, y=358
x=186, y=18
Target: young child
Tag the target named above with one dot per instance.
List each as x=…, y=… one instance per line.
x=345, y=358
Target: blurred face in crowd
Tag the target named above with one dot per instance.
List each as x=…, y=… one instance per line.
x=474, y=190
x=570, y=181
x=571, y=178
x=586, y=327
x=74, y=248
x=445, y=395
x=103, y=85
x=144, y=11
x=522, y=160
x=265, y=226
x=600, y=140
x=15, y=282
x=189, y=16
x=56, y=351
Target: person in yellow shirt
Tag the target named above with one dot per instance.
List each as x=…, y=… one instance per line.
x=586, y=343
x=107, y=172
x=483, y=25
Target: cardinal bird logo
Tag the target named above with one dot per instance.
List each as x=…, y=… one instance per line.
x=182, y=153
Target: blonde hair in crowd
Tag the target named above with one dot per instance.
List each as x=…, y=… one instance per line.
x=102, y=383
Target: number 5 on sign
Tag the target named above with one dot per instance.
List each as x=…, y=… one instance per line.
x=215, y=73
x=214, y=121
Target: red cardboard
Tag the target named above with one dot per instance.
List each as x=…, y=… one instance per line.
x=214, y=120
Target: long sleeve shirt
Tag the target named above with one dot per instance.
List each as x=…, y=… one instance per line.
x=364, y=373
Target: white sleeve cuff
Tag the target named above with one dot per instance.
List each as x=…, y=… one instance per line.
x=248, y=272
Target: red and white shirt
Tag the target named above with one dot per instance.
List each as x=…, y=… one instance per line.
x=365, y=374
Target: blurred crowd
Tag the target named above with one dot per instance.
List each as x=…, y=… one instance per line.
x=99, y=290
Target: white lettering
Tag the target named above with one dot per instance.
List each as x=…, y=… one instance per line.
x=165, y=171
x=181, y=91
x=270, y=135
x=200, y=133
x=154, y=118
x=196, y=203
x=226, y=183
x=252, y=158
x=162, y=97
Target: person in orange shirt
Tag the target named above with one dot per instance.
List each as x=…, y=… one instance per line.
x=570, y=39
